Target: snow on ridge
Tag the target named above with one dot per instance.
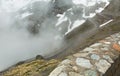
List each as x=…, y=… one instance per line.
x=75, y=25
x=90, y=2
x=61, y=19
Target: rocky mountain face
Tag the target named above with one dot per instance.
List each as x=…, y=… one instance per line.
x=62, y=15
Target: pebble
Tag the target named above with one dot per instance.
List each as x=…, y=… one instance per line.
x=63, y=74
x=95, y=57
x=83, y=62
x=90, y=73
x=102, y=66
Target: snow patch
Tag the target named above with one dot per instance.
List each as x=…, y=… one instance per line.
x=62, y=18
x=84, y=2
x=106, y=23
x=26, y=14
x=90, y=15
x=77, y=23
x=99, y=10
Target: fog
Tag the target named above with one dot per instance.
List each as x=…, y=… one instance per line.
x=17, y=40
x=36, y=27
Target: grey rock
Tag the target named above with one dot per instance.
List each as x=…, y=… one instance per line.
x=66, y=61
x=104, y=48
x=57, y=71
x=96, y=45
x=107, y=57
x=39, y=57
x=108, y=38
x=118, y=36
x=90, y=73
x=102, y=66
x=107, y=43
x=74, y=74
x=75, y=68
x=83, y=63
x=95, y=57
x=80, y=54
x=116, y=39
x=63, y=74
x=88, y=49
x=119, y=42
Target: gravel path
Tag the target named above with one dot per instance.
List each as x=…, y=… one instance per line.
x=92, y=61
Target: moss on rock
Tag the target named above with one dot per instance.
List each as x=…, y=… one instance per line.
x=38, y=67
